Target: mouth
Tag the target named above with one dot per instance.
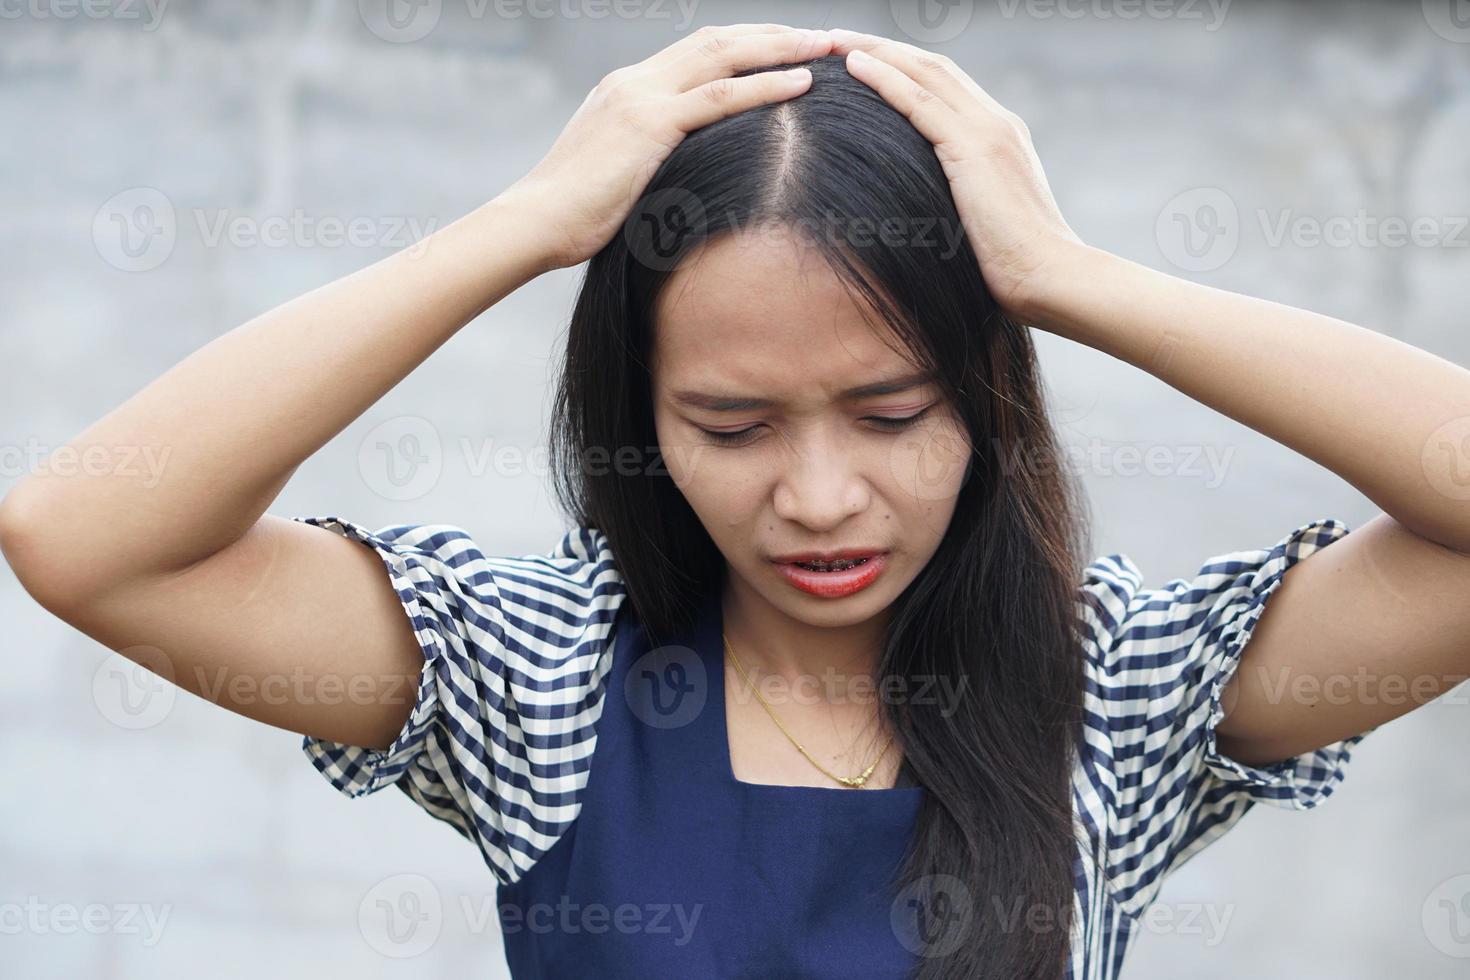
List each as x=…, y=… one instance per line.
x=843, y=554
x=834, y=575
x=839, y=565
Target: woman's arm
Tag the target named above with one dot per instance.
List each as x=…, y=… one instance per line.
x=1389, y=418
x=232, y=421
x=1378, y=624
x=187, y=575
x=1359, y=633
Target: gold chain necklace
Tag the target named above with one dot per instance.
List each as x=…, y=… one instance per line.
x=854, y=782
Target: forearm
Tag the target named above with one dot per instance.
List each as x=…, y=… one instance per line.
x=227, y=426
x=1372, y=409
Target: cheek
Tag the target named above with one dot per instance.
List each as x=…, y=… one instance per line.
x=928, y=466
x=686, y=460
x=719, y=487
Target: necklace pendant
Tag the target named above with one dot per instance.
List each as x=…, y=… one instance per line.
x=854, y=781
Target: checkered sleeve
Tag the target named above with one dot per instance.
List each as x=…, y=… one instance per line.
x=500, y=737
x=1158, y=661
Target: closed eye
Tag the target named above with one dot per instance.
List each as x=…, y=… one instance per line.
x=886, y=423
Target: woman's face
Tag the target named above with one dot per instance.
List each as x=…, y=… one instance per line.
x=790, y=426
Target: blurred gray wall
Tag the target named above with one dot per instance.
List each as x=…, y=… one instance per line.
x=1178, y=134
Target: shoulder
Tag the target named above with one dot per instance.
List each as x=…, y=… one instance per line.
x=516, y=649
x=1157, y=661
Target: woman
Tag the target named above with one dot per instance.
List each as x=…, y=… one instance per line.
x=817, y=686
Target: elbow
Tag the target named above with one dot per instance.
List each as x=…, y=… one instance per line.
x=23, y=543
x=12, y=524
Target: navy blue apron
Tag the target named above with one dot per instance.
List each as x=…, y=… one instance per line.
x=676, y=869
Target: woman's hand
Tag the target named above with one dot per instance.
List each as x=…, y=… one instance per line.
x=587, y=184
x=1004, y=202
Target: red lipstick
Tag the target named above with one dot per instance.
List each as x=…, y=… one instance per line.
x=866, y=565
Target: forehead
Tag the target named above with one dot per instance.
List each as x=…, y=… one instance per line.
x=757, y=308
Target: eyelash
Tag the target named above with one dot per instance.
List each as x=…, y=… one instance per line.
x=885, y=423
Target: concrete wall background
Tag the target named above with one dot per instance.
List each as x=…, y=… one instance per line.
x=264, y=111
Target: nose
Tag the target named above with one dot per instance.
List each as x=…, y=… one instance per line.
x=821, y=486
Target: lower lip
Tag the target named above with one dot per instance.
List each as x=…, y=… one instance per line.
x=833, y=585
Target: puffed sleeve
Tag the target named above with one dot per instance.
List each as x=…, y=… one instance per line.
x=501, y=733
x=1157, y=663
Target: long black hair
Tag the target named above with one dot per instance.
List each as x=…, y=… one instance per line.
x=993, y=609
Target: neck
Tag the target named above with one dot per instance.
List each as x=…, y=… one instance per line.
x=768, y=641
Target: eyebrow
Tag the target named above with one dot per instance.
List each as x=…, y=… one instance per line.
x=740, y=403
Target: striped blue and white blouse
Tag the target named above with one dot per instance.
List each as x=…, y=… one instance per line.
x=501, y=739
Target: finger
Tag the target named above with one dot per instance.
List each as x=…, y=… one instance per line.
x=676, y=50
x=754, y=28
x=724, y=57
x=928, y=69
x=929, y=113
x=723, y=97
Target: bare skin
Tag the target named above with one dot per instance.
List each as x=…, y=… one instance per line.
x=193, y=569
x=1361, y=632
x=813, y=471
